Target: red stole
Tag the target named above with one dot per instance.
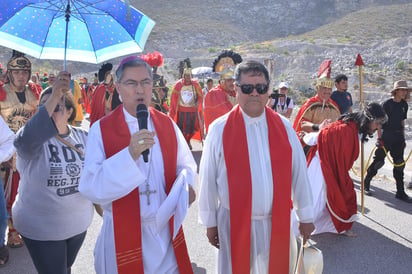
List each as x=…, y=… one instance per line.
x=240, y=191
x=127, y=224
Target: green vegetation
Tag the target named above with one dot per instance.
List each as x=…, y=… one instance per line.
x=400, y=65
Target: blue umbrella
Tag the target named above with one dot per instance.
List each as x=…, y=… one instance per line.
x=76, y=30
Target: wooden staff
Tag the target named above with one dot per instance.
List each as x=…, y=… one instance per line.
x=359, y=63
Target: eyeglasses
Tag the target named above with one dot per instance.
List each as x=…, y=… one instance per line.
x=145, y=83
x=248, y=88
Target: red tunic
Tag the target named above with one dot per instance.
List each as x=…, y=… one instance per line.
x=217, y=103
x=338, y=146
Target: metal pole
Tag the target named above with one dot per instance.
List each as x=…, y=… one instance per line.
x=67, y=15
x=359, y=63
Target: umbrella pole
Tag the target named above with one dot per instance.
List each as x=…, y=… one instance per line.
x=67, y=31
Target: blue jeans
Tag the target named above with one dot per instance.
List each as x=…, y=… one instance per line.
x=4, y=216
x=54, y=257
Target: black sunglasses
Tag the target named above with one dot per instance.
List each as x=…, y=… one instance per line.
x=248, y=88
x=57, y=108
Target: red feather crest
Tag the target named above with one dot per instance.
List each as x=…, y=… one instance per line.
x=154, y=59
x=324, y=70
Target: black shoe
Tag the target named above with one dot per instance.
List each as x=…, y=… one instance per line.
x=368, y=192
x=404, y=197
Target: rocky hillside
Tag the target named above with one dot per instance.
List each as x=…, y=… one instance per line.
x=298, y=35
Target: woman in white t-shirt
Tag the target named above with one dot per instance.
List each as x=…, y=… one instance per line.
x=280, y=102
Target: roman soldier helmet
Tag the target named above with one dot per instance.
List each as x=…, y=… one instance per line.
x=18, y=62
x=324, y=79
x=187, y=71
x=225, y=64
x=103, y=71
x=183, y=66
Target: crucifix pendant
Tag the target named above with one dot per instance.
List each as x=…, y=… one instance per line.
x=147, y=192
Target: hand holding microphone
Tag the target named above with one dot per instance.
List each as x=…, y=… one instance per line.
x=143, y=140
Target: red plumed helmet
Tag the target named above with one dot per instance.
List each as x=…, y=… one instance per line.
x=154, y=59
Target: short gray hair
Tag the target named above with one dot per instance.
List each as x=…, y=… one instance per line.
x=132, y=61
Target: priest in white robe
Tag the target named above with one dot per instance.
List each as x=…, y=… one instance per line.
x=111, y=176
x=251, y=168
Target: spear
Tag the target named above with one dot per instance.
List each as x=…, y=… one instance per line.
x=359, y=63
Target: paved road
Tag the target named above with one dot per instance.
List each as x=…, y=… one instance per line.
x=383, y=244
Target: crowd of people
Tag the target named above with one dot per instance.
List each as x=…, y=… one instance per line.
x=263, y=181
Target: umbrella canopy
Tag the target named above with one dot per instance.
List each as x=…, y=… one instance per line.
x=203, y=72
x=76, y=30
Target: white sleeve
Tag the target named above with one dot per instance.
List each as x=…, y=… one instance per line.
x=105, y=180
x=301, y=192
x=311, y=138
x=291, y=103
x=6, y=141
x=208, y=177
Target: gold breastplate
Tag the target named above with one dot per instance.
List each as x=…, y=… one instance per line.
x=187, y=96
x=14, y=113
x=317, y=113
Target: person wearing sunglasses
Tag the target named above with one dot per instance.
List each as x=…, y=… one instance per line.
x=252, y=166
x=49, y=212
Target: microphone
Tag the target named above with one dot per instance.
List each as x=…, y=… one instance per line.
x=142, y=115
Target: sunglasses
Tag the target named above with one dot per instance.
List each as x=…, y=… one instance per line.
x=248, y=88
x=58, y=108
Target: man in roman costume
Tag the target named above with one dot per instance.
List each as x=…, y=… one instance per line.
x=222, y=98
x=18, y=102
x=251, y=168
x=105, y=97
x=319, y=110
x=320, y=107
x=142, y=193
x=186, y=105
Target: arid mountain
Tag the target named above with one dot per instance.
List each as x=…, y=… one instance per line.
x=298, y=35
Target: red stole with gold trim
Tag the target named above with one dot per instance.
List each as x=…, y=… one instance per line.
x=126, y=222
x=236, y=154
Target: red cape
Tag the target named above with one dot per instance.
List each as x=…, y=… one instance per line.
x=338, y=146
x=35, y=89
x=97, y=107
x=217, y=104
